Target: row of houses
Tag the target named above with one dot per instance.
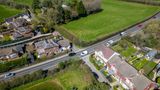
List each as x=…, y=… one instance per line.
x=17, y=27
x=125, y=74
x=45, y=47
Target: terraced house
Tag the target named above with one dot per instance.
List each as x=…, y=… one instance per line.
x=125, y=74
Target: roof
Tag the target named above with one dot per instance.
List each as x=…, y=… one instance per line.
x=19, y=48
x=107, y=52
x=45, y=44
x=152, y=53
x=64, y=43
x=127, y=71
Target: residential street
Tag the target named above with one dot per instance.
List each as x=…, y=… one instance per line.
x=90, y=49
x=101, y=78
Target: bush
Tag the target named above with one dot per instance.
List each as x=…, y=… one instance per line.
x=6, y=66
x=8, y=85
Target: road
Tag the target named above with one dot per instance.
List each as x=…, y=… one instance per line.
x=90, y=49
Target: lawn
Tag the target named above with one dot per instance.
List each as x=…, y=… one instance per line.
x=25, y=2
x=116, y=15
x=77, y=75
x=126, y=51
x=6, y=12
x=149, y=67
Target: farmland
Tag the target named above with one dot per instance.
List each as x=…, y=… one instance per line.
x=116, y=15
x=7, y=12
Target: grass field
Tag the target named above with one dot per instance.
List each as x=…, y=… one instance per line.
x=115, y=16
x=6, y=12
x=77, y=75
x=25, y=2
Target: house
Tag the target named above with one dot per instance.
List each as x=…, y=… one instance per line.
x=151, y=54
x=104, y=54
x=16, y=35
x=20, y=49
x=8, y=54
x=125, y=74
x=46, y=47
x=64, y=44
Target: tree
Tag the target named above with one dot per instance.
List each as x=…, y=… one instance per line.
x=35, y=5
x=61, y=65
x=81, y=9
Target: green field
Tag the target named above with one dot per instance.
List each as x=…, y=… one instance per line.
x=115, y=16
x=6, y=12
x=77, y=75
x=25, y=2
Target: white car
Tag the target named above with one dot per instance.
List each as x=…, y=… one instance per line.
x=9, y=75
x=84, y=53
x=110, y=42
x=123, y=33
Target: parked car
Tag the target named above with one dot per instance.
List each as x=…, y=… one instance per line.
x=9, y=75
x=84, y=53
x=71, y=54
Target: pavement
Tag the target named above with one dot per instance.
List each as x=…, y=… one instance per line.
x=101, y=77
x=90, y=49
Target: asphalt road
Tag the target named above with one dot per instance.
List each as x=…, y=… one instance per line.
x=50, y=63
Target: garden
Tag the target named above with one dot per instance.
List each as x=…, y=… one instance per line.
x=135, y=58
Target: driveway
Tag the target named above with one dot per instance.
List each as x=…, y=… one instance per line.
x=101, y=78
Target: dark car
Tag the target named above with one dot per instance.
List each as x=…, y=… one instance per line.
x=71, y=54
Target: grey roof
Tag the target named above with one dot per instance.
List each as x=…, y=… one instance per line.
x=43, y=44
x=139, y=81
x=19, y=48
x=151, y=53
x=64, y=43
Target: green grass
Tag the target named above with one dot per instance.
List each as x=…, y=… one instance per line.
x=149, y=67
x=95, y=63
x=140, y=64
x=6, y=12
x=77, y=75
x=126, y=52
x=116, y=15
x=25, y=2
x=48, y=85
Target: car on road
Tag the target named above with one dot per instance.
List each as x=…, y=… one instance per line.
x=72, y=54
x=123, y=33
x=9, y=75
x=84, y=53
x=110, y=42
x=140, y=25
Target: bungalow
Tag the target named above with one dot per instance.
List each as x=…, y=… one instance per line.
x=46, y=47
x=125, y=74
x=8, y=54
x=64, y=44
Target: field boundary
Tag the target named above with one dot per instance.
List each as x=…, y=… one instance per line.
x=81, y=43
x=154, y=3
